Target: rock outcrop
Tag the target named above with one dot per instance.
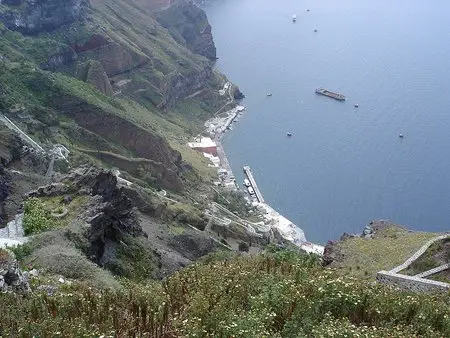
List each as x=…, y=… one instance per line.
x=95, y=74
x=59, y=59
x=36, y=16
x=110, y=214
x=11, y=277
x=179, y=86
x=189, y=25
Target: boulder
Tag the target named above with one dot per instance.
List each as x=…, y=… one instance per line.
x=11, y=277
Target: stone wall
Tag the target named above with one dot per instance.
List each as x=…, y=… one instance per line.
x=411, y=283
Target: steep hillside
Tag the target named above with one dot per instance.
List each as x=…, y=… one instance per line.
x=151, y=88
x=114, y=84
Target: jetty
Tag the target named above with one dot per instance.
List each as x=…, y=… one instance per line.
x=253, y=184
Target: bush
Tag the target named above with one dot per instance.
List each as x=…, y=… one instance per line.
x=21, y=251
x=281, y=294
x=36, y=217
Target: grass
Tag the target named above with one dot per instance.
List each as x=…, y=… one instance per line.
x=177, y=230
x=74, y=208
x=389, y=248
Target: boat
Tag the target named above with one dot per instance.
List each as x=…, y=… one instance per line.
x=307, y=9
x=315, y=31
x=336, y=96
x=246, y=182
x=251, y=191
x=294, y=18
x=401, y=135
x=289, y=134
x=269, y=94
x=356, y=105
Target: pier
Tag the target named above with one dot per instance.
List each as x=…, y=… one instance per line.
x=250, y=177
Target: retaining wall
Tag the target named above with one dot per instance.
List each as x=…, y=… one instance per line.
x=411, y=283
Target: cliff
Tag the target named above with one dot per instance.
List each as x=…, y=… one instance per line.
x=36, y=16
x=189, y=25
x=119, y=49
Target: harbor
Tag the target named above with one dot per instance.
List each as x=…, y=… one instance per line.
x=284, y=226
x=211, y=147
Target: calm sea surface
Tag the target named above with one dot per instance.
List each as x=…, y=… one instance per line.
x=343, y=166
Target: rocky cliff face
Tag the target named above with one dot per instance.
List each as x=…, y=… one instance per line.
x=165, y=162
x=35, y=16
x=110, y=214
x=179, y=86
x=189, y=25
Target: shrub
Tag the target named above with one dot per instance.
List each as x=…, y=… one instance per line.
x=271, y=295
x=21, y=251
x=36, y=217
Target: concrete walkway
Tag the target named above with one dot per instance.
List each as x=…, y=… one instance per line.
x=433, y=271
x=419, y=253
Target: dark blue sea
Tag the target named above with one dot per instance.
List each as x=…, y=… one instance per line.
x=343, y=166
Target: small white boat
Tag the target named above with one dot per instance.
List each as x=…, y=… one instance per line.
x=356, y=105
x=401, y=136
x=294, y=17
x=269, y=94
x=246, y=182
x=251, y=191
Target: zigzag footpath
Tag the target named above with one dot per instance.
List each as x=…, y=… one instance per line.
x=416, y=283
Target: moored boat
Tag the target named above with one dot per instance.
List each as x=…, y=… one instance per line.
x=333, y=95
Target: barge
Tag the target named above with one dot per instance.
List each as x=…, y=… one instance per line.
x=336, y=96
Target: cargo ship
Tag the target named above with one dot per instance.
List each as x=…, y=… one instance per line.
x=335, y=96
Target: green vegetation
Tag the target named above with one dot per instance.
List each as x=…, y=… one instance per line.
x=390, y=247
x=282, y=294
x=186, y=214
x=37, y=218
x=134, y=260
x=38, y=213
x=21, y=251
x=233, y=201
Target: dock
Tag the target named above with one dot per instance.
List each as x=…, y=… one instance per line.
x=250, y=177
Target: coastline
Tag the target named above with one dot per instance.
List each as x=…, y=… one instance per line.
x=216, y=127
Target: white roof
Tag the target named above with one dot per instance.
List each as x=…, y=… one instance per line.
x=202, y=142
